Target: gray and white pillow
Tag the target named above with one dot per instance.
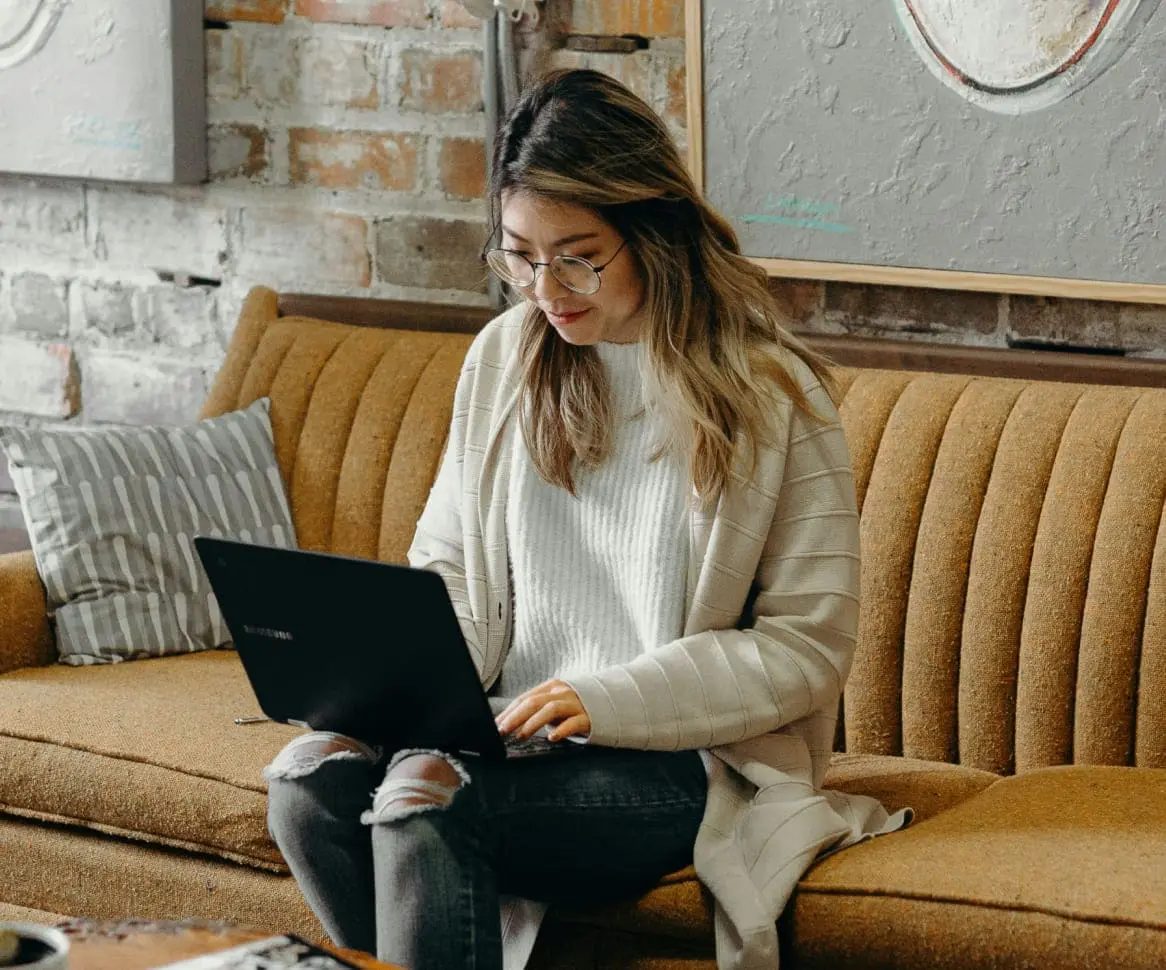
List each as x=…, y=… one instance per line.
x=112, y=512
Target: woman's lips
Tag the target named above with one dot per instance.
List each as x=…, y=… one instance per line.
x=563, y=319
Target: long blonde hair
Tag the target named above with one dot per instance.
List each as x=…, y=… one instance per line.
x=716, y=346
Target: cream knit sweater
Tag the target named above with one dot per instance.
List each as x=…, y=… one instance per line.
x=598, y=576
x=771, y=611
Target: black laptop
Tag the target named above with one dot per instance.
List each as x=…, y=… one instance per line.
x=363, y=648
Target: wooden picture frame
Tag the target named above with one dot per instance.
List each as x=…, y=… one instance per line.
x=886, y=275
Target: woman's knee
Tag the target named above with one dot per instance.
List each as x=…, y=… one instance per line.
x=305, y=754
x=416, y=782
x=301, y=797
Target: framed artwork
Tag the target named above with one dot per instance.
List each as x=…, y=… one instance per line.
x=1004, y=145
x=103, y=89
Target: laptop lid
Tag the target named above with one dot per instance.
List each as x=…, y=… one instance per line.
x=367, y=649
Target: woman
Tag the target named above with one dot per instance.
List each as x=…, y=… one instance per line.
x=646, y=520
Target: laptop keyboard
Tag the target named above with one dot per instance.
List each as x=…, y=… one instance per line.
x=524, y=747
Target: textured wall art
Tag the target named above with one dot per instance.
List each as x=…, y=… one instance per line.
x=103, y=90
x=1012, y=137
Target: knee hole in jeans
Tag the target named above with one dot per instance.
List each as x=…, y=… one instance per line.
x=305, y=754
x=416, y=782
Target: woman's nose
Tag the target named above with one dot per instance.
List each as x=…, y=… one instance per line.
x=545, y=286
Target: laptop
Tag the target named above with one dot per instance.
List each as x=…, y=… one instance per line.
x=367, y=649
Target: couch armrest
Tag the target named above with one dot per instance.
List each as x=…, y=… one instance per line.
x=25, y=638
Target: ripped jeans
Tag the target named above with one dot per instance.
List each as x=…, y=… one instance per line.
x=413, y=872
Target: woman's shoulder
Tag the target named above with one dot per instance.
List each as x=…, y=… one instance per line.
x=497, y=340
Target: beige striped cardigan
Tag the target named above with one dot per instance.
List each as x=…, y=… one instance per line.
x=757, y=695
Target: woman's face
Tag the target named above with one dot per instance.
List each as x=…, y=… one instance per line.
x=541, y=229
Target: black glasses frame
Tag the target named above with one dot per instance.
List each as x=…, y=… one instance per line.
x=549, y=264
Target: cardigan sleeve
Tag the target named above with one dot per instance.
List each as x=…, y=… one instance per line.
x=722, y=686
x=439, y=540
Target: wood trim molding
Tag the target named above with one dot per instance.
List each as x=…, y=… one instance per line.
x=962, y=280
x=1041, y=365
x=694, y=82
x=393, y=314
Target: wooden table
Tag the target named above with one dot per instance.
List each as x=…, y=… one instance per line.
x=144, y=944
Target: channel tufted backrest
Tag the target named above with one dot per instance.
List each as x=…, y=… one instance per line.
x=1014, y=560
x=1014, y=571
x=360, y=417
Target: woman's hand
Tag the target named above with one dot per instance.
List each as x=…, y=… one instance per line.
x=552, y=702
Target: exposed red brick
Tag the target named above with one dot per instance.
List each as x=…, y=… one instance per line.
x=261, y=11
x=461, y=164
x=437, y=83
x=453, y=14
x=800, y=300
x=378, y=13
x=900, y=308
x=1081, y=323
x=353, y=159
x=644, y=18
x=676, y=107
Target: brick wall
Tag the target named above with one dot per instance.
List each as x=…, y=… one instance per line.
x=346, y=151
x=346, y=147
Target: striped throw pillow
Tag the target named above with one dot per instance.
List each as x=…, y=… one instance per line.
x=112, y=512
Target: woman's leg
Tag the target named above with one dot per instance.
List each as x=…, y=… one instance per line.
x=318, y=786
x=585, y=825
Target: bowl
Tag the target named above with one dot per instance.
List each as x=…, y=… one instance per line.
x=40, y=948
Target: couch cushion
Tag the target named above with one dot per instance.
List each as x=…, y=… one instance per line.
x=1061, y=867
x=676, y=908
x=928, y=787
x=146, y=750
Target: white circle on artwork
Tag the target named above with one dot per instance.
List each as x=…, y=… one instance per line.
x=25, y=27
x=1017, y=56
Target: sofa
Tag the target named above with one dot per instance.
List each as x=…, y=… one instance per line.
x=1009, y=684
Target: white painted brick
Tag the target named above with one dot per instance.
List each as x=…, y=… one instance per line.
x=271, y=65
x=137, y=389
x=182, y=317
x=338, y=70
x=37, y=378
x=224, y=65
x=106, y=307
x=39, y=304
x=181, y=231
x=294, y=248
x=39, y=222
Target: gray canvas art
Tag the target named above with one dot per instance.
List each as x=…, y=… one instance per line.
x=103, y=89
x=1022, y=137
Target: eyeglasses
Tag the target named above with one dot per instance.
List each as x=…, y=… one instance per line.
x=574, y=272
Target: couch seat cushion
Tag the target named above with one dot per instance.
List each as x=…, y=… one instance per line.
x=147, y=750
x=677, y=909
x=928, y=787
x=1061, y=867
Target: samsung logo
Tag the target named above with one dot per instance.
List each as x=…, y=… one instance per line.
x=266, y=631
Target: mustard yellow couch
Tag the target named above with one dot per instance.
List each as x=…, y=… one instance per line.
x=1010, y=682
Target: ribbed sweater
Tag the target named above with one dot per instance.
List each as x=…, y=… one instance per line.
x=598, y=577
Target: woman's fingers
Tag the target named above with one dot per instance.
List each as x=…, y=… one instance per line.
x=580, y=724
x=550, y=713
x=528, y=702
x=551, y=703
